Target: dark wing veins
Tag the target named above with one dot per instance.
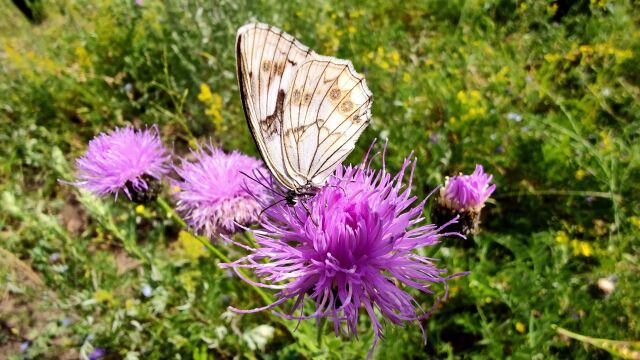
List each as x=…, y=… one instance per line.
x=271, y=124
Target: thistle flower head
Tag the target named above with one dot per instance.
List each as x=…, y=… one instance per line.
x=467, y=192
x=126, y=159
x=351, y=248
x=213, y=194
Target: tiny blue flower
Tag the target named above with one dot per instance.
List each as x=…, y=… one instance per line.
x=24, y=345
x=514, y=116
x=97, y=353
x=147, y=291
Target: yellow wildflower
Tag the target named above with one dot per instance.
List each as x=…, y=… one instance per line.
x=190, y=248
x=586, y=49
x=523, y=7
x=580, y=174
x=622, y=55
x=429, y=62
x=562, y=237
x=462, y=96
x=520, y=327
x=356, y=14
x=83, y=57
x=572, y=55
x=395, y=57
x=406, y=77
x=553, y=57
x=205, y=93
x=575, y=245
x=551, y=9
x=501, y=76
x=581, y=248
x=604, y=49
x=599, y=3
x=352, y=29
x=215, y=109
x=103, y=296
x=585, y=249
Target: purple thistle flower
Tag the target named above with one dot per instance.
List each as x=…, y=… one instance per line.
x=125, y=159
x=213, y=196
x=467, y=192
x=463, y=196
x=351, y=248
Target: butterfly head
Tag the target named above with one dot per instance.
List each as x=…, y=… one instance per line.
x=306, y=191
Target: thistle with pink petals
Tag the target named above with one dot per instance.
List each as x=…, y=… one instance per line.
x=125, y=160
x=212, y=192
x=352, y=249
x=464, y=196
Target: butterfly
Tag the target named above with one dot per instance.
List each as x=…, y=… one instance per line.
x=305, y=111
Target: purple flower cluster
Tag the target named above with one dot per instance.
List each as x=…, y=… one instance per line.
x=122, y=160
x=350, y=248
x=213, y=194
x=467, y=192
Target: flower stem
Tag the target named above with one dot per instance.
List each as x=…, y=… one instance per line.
x=320, y=331
x=434, y=250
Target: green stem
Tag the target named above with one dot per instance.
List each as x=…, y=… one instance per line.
x=320, y=331
x=130, y=240
x=250, y=240
x=132, y=247
x=598, y=194
x=435, y=249
x=174, y=215
x=571, y=334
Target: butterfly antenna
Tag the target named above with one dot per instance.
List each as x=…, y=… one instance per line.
x=256, y=180
x=270, y=206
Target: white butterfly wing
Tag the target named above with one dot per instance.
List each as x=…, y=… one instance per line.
x=266, y=60
x=327, y=108
x=305, y=111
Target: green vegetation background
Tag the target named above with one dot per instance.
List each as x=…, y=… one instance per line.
x=545, y=95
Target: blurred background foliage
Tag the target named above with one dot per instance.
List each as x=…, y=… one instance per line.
x=544, y=94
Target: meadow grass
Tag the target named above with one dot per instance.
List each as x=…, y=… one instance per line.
x=545, y=95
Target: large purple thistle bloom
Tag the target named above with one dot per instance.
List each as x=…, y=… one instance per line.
x=467, y=192
x=123, y=160
x=350, y=248
x=213, y=194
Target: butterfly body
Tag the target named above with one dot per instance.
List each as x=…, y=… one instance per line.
x=291, y=196
x=305, y=111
